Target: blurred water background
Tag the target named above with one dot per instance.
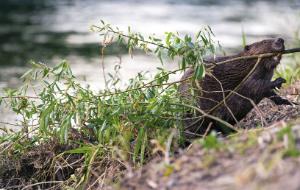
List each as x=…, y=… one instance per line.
x=51, y=30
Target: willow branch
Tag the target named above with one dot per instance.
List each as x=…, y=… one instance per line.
x=288, y=51
x=204, y=114
x=109, y=29
x=142, y=87
x=20, y=97
x=264, y=55
x=293, y=50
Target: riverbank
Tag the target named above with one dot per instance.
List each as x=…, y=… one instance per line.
x=255, y=158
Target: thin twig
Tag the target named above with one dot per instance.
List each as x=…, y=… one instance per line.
x=263, y=55
x=204, y=114
x=20, y=97
x=139, y=88
x=237, y=87
x=41, y=183
x=224, y=98
x=207, y=130
x=168, y=146
x=109, y=29
x=103, y=67
x=12, y=124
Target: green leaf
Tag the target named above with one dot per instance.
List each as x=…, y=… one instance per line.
x=81, y=150
x=141, y=37
x=65, y=126
x=210, y=30
x=243, y=38
x=26, y=74
x=156, y=39
x=44, y=118
x=183, y=63
x=187, y=38
x=138, y=144
x=210, y=141
x=292, y=153
x=198, y=34
x=190, y=45
x=143, y=148
x=104, y=126
x=159, y=54
x=169, y=34
x=45, y=72
x=200, y=71
x=204, y=39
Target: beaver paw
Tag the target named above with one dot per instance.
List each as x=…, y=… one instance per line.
x=283, y=102
x=277, y=83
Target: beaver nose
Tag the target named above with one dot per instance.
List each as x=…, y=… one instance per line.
x=278, y=44
x=279, y=41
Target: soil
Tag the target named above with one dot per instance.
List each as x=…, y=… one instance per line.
x=270, y=113
x=45, y=167
x=34, y=166
x=257, y=167
x=252, y=159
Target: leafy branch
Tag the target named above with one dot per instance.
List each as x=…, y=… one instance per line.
x=190, y=50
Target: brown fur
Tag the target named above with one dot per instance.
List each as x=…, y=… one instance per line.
x=227, y=77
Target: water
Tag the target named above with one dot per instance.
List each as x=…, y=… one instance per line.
x=51, y=30
x=48, y=30
x=259, y=19
x=45, y=29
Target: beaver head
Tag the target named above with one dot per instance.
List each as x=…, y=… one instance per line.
x=267, y=46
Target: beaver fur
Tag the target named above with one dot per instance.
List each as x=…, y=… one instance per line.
x=221, y=79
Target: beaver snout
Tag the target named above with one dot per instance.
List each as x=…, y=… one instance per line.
x=278, y=44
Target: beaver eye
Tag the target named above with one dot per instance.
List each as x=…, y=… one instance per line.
x=247, y=48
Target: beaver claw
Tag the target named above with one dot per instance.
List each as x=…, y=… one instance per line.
x=278, y=82
x=281, y=101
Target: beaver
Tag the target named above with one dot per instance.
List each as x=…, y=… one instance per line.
x=246, y=81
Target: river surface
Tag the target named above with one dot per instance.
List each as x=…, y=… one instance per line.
x=52, y=30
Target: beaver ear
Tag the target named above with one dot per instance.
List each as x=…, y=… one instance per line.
x=247, y=48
